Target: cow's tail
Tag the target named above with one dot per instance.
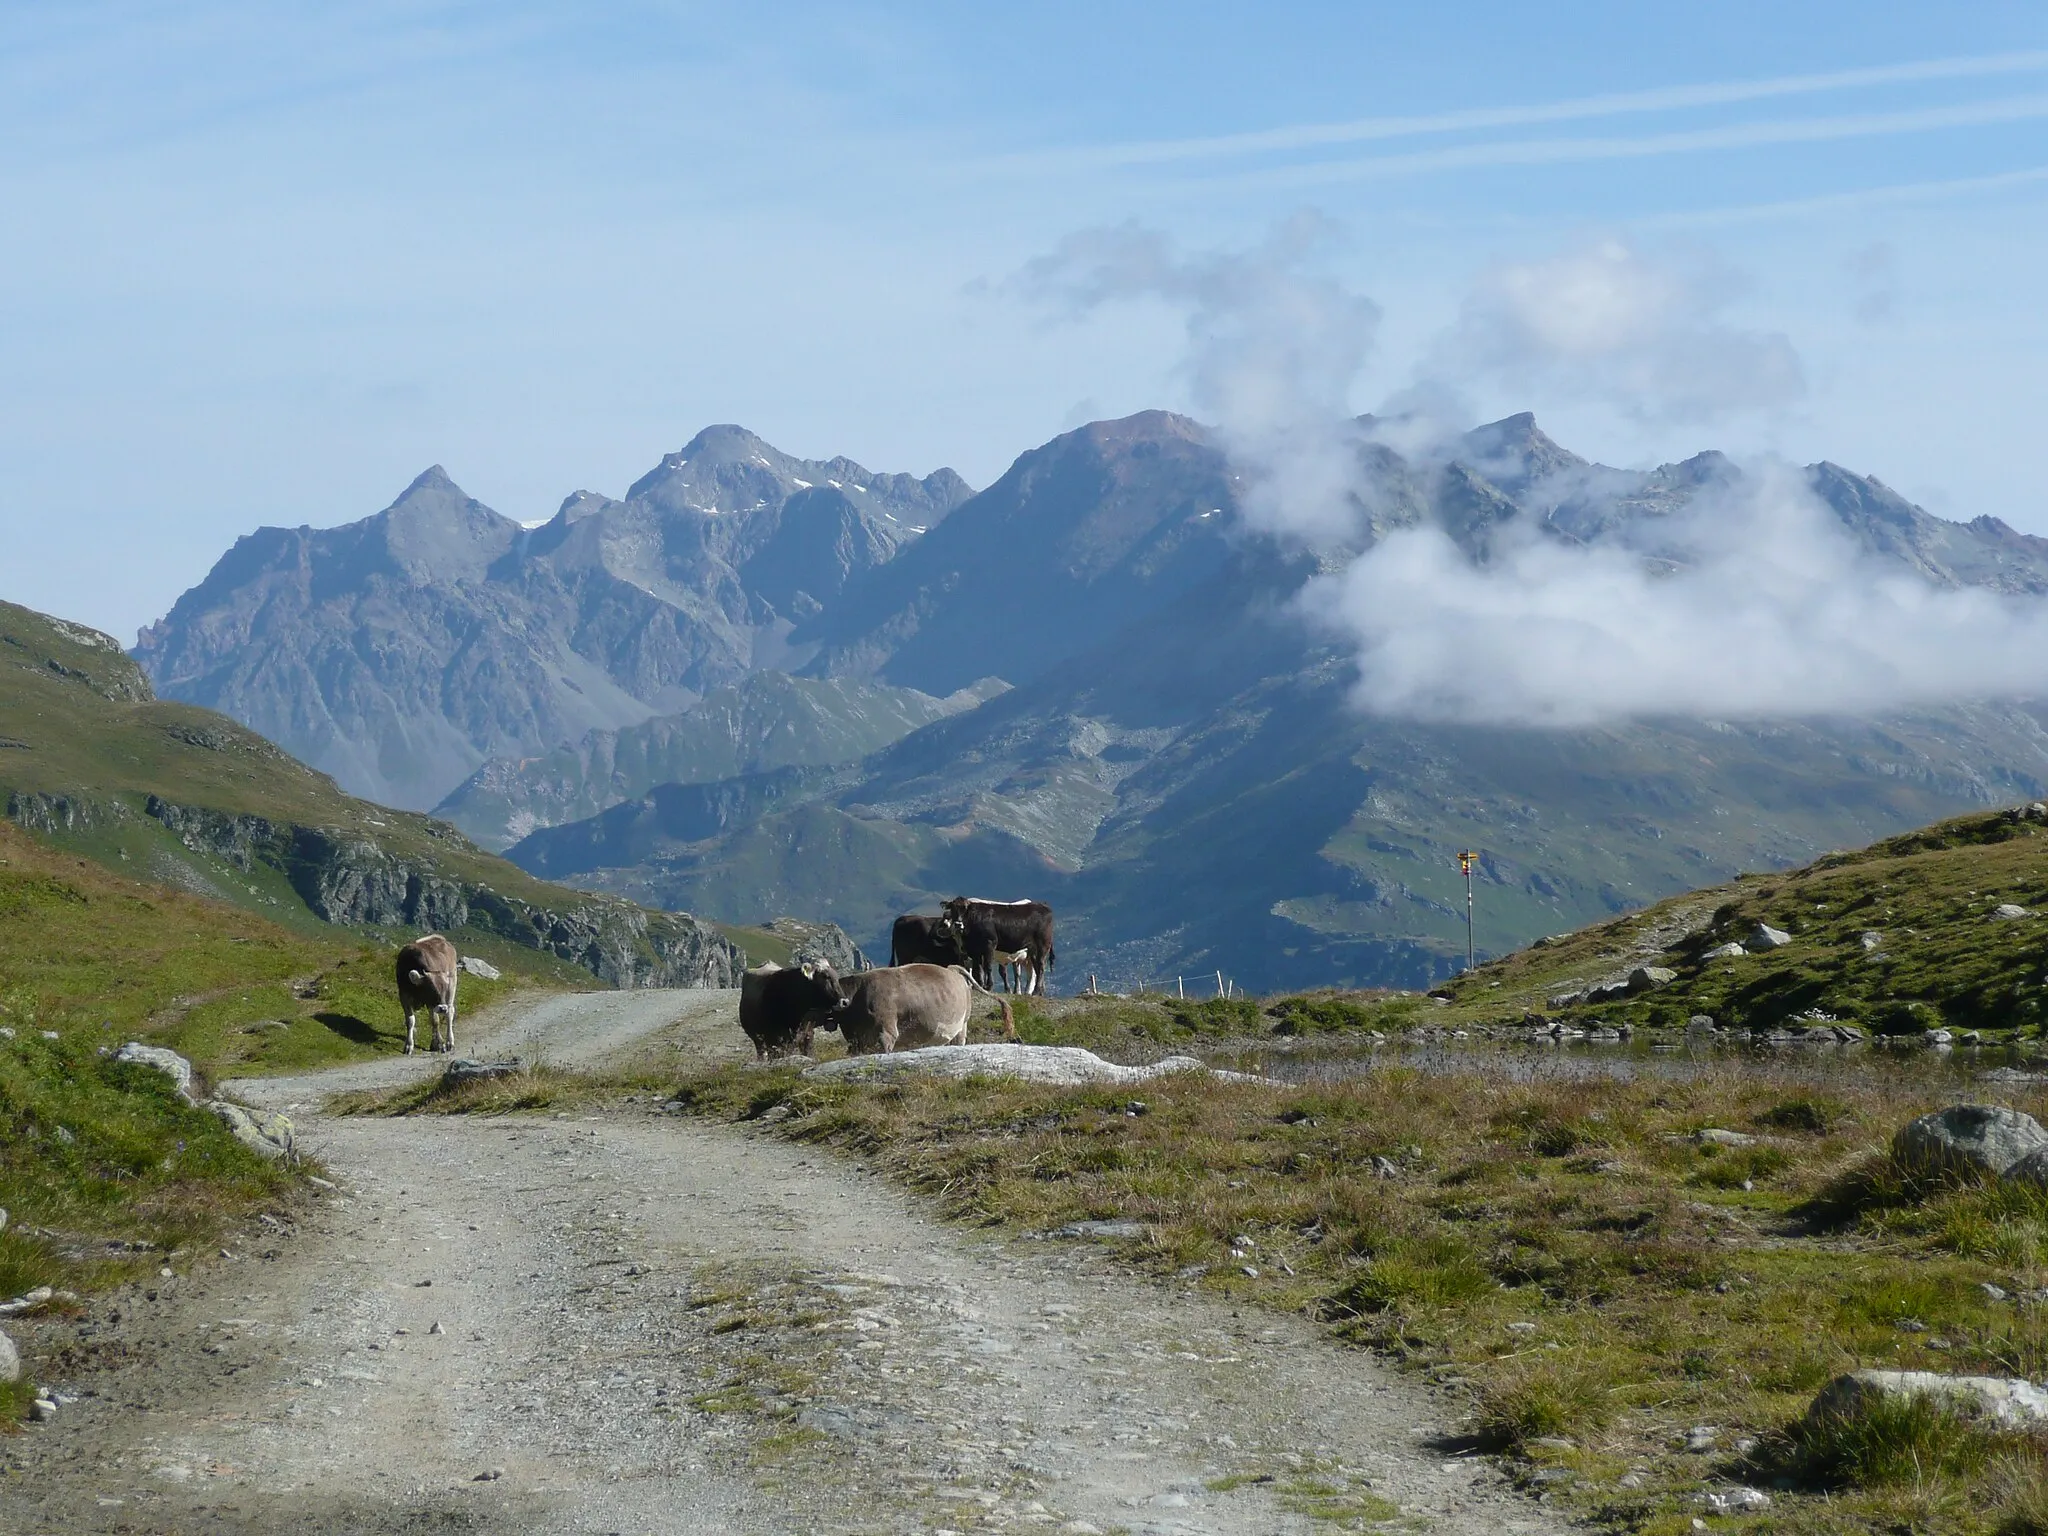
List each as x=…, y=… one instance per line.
x=1009, y=1017
x=892, y=949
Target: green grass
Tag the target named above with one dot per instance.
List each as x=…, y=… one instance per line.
x=1941, y=959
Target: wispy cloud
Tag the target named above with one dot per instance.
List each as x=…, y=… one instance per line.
x=1498, y=153
x=1576, y=109
x=1645, y=331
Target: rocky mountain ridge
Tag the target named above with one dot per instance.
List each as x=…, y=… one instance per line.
x=1180, y=765
x=398, y=653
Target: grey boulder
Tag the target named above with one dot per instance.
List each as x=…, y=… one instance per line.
x=2004, y=1400
x=2031, y=1169
x=1969, y=1137
x=260, y=1130
x=482, y=968
x=1767, y=937
x=10, y=1360
x=1647, y=978
x=170, y=1063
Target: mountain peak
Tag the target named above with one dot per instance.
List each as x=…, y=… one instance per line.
x=725, y=443
x=1514, y=452
x=432, y=479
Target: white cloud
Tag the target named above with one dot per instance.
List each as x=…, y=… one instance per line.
x=1608, y=322
x=1779, y=613
x=1772, y=607
x=1274, y=345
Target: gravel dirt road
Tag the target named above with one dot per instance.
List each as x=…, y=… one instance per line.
x=638, y=1323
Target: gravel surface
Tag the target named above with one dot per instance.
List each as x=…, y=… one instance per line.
x=638, y=1323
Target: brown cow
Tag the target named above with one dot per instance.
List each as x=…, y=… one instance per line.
x=902, y=1007
x=426, y=979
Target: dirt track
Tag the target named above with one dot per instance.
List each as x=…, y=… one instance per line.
x=646, y=1324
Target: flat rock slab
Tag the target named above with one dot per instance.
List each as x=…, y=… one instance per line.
x=2005, y=1400
x=1065, y=1064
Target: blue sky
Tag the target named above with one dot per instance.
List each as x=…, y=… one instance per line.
x=263, y=263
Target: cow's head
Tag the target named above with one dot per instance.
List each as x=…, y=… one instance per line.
x=826, y=993
x=953, y=916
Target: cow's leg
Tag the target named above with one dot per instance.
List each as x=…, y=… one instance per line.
x=451, y=1026
x=411, y=1024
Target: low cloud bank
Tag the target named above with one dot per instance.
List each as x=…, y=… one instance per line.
x=1769, y=607
x=1778, y=613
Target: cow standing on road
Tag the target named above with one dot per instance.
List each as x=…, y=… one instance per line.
x=998, y=934
x=426, y=979
x=780, y=1006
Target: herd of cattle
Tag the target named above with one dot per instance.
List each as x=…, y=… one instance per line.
x=922, y=997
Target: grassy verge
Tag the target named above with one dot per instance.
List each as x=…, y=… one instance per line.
x=1633, y=1313
x=105, y=1174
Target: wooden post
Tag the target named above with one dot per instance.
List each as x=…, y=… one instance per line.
x=1180, y=986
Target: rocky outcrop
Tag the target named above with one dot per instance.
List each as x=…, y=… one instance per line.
x=348, y=878
x=820, y=941
x=51, y=814
x=616, y=941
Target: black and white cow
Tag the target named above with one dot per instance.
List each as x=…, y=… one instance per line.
x=999, y=934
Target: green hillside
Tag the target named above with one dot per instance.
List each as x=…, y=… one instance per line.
x=181, y=796
x=1900, y=938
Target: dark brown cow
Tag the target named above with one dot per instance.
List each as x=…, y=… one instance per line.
x=426, y=979
x=928, y=939
x=902, y=1007
x=780, y=1006
x=998, y=934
